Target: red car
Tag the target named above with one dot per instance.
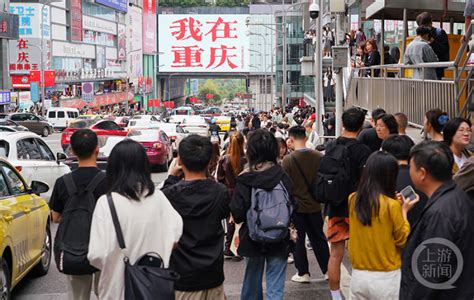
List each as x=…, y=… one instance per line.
x=157, y=145
x=101, y=128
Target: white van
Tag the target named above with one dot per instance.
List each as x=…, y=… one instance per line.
x=61, y=117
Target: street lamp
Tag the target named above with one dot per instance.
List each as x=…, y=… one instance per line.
x=264, y=61
x=46, y=2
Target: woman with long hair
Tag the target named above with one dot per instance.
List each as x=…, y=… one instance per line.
x=434, y=122
x=379, y=230
x=216, y=154
x=282, y=149
x=148, y=221
x=385, y=126
x=372, y=58
x=230, y=166
x=262, y=172
x=457, y=134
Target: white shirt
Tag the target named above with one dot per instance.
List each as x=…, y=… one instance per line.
x=460, y=161
x=148, y=225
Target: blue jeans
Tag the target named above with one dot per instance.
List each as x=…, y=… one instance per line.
x=275, y=275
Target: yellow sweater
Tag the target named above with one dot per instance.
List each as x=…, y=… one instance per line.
x=378, y=247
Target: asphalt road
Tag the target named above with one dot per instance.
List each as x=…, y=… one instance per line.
x=54, y=285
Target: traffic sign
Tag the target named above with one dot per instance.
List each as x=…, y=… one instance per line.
x=87, y=92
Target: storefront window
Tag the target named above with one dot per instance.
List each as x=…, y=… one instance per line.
x=98, y=11
x=67, y=63
x=98, y=38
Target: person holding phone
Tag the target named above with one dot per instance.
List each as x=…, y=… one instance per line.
x=379, y=230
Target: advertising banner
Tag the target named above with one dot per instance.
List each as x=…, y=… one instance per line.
x=76, y=20
x=122, y=41
x=34, y=89
x=149, y=26
x=120, y=5
x=9, y=26
x=135, y=46
x=204, y=43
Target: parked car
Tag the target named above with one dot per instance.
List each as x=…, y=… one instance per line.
x=61, y=117
x=196, y=125
x=13, y=125
x=157, y=146
x=32, y=157
x=101, y=128
x=175, y=133
x=31, y=121
x=223, y=122
x=25, y=242
x=143, y=121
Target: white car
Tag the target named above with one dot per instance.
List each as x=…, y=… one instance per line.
x=196, y=125
x=175, y=133
x=178, y=119
x=143, y=122
x=30, y=154
x=61, y=117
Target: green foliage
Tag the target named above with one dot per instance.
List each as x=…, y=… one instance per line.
x=221, y=88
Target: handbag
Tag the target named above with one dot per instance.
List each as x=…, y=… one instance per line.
x=146, y=279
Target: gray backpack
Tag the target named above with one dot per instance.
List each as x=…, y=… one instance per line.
x=268, y=217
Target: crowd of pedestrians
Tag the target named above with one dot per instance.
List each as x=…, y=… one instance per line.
x=393, y=199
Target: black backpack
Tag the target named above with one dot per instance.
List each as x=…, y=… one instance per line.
x=71, y=243
x=334, y=183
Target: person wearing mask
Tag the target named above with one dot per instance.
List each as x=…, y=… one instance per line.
x=85, y=147
x=448, y=216
x=230, y=166
x=203, y=204
x=399, y=146
x=419, y=51
x=433, y=124
x=386, y=125
x=302, y=165
x=148, y=221
x=379, y=228
x=262, y=172
x=372, y=58
x=438, y=41
x=457, y=135
x=338, y=215
x=369, y=136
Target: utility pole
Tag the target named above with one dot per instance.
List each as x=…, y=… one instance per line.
x=340, y=18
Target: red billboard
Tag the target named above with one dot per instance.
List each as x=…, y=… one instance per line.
x=149, y=26
x=76, y=20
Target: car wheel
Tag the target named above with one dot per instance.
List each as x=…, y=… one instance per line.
x=42, y=267
x=164, y=167
x=4, y=280
x=45, y=132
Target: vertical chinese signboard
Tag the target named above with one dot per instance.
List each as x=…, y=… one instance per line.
x=204, y=43
x=122, y=41
x=149, y=26
x=76, y=20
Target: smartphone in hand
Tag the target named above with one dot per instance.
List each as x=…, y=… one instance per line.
x=408, y=193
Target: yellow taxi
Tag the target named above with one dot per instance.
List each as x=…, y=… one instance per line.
x=25, y=235
x=223, y=122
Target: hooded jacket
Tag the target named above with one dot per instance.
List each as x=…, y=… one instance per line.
x=198, y=258
x=449, y=215
x=265, y=178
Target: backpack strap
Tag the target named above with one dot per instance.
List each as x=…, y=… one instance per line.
x=118, y=230
x=302, y=173
x=70, y=185
x=95, y=181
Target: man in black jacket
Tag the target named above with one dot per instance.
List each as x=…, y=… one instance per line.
x=203, y=204
x=439, y=40
x=438, y=261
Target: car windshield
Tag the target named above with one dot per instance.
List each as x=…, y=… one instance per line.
x=3, y=116
x=82, y=124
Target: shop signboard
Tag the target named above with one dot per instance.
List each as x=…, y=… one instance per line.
x=24, y=100
x=120, y=5
x=76, y=20
x=87, y=92
x=204, y=43
x=34, y=89
x=99, y=25
x=5, y=97
x=135, y=46
x=30, y=20
x=122, y=41
x=9, y=26
x=64, y=49
x=149, y=26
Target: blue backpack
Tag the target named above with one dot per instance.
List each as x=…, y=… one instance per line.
x=269, y=215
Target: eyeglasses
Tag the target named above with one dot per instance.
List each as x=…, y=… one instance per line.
x=465, y=130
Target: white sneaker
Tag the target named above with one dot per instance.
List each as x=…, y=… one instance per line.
x=300, y=279
x=326, y=277
x=290, y=260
